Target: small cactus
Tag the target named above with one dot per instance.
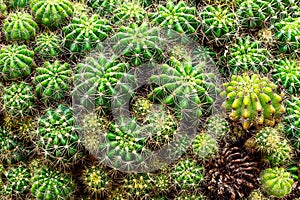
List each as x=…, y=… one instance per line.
x=17, y=3
x=19, y=26
x=85, y=32
x=204, y=146
x=47, y=45
x=18, y=99
x=217, y=127
x=276, y=182
x=256, y=195
x=141, y=108
x=252, y=100
x=53, y=81
x=3, y=9
x=51, y=13
x=104, y=7
x=20, y=59
x=161, y=182
x=137, y=186
x=128, y=13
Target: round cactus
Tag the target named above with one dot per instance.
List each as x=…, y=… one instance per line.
x=161, y=182
x=17, y=3
x=51, y=13
x=276, y=182
x=252, y=100
x=187, y=174
x=247, y=55
x=18, y=181
x=20, y=61
x=190, y=197
x=287, y=73
x=53, y=81
x=57, y=139
x=128, y=13
x=256, y=195
x=3, y=9
x=218, y=23
x=85, y=32
x=204, y=146
x=217, y=127
x=138, y=44
x=19, y=26
x=18, y=99
x=47, y=45
x=179, y=17
x=49, y=184
x=137, y=186
x=96, y=181
x=141, y=108
x=104, y=7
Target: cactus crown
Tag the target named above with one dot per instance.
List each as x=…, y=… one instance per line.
x=204, y=146
x=128, y=13
x=47, y=45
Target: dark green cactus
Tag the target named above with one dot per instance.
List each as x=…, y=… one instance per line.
x=3, y=9
x=129, y=12
x=19, y=26
x=15, y=61
x=252, y=100
x=47, y=45
x=52, y=81
x=17, y=3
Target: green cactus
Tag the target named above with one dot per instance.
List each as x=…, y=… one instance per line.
x=96, y=78
x=17, y=181
x=190, y=197
x=20, y=61
x=17, y=3
x=187, y=174
x=252, y=100
x=11, y=150
x=176, y=81
x=3, y=9
x=49, y=184
x=287, y=35
x=137, y=186
x=18, y=100
x=47, y=45
x=218, y=23
x=85, y=32
x=291, y=119
x=179, y=17
x=217, y=127
x=51, y=13
x=19, y=26
x=81, y=8
x=138, y=44
x=127, y=13
x=52, y=81
x=276, y=182
x=57, y=138
x=104, y=7
x=141, y=108
x=287, y=73
x=204, y=146
x=96, y=180
x=161, y=182
x=247, y=55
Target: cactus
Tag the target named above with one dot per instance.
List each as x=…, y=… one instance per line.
x=96, y=180
x=81, y=8
x=276, y=182
x=204, y=146
x=287, y=73
x=18, y=100
x=128, y=13
x=247, y=55
x=96, y=78
x=49, y=184
x=139, y=44
x=57, y=139
x=141, y=108
x=11, y=150
x=252, y=100
x=179, y=17
x=18, y=181
x=291, y=119
x=287, y=35
x=17, y=3
x=176, y=81
x=187, y=174
x=218, y=23
x=51, y=13
x=19, y=26
x=47, y=45
x=217, y=127
x=137, y=186
x=85, y=32
x=190, y=197
x=161, y=182
x=53, y=81
x=20, y=61
x=104, y=7
x=256, y=195
x=3, y=9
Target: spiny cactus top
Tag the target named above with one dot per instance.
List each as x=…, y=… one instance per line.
x=129, y=12
x=85, y=32
x=17, y=3
x=218, y=23
x=53, y=81
x=204, y=146
x=19, y=26
x=138, y=44
x=51, y=13
x=217, y=126
x=247, y=55
x=179, y=17
x=49, y=184
x=141, y=108
x=137, y=186
x=18, y=99
x=47, y=45
x=256, y=195
x=15, y=61
x=3, y=9
x=184, y=85
x=252, y=100
x=276, y=182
